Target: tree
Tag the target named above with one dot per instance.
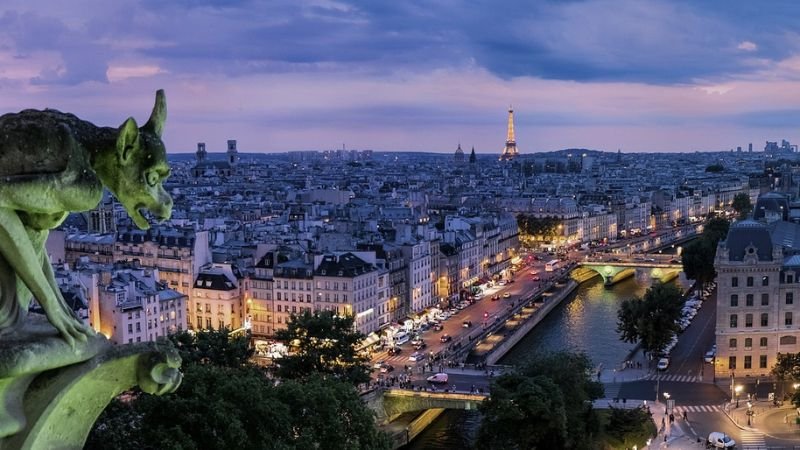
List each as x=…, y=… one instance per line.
x=715, y=168
x=523, y=413
x=741, y=204
x=322, y=343
x=698, y=257
x=531, y=408
x=627, y=428
x=651, y=320
x=217, y=347
x=715, y=230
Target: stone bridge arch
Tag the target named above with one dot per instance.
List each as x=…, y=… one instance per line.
x=391, y=403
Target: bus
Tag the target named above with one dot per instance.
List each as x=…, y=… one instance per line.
x=551, y=265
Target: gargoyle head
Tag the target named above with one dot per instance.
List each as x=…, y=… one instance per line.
x=141, y=167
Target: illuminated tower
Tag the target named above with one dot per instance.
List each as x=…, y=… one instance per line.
x=510, y=151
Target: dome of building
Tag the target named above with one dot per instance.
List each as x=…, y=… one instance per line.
x=747, y=237
x=771, y=204
x=459, y=156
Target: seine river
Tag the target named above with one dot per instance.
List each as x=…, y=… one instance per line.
x=585, y=321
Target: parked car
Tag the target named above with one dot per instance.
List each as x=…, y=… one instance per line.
x=416, y=357
x=719, y=440
x=445, y=338
x=439, y=378
x=386, y=368
x=709, y=356
x=438, y=327
x=663, y=363
x=467, y=324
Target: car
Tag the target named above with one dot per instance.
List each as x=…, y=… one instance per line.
x=467, y=324
x=709, y=356
x=416, y=357
x=533, y=272
x=717, y=439
x=445, y=338
x=439, y=378
x=394, y=351
x=536, y=278
x=438, y=327
x=378, y=364
x=495, y=297
x=506, y=295
x=416, y=340
x=502, y=283
x=420, y=345
x=663, y=363
x=386, y=368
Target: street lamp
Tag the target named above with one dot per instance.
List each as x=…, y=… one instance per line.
x=749, y=412
x=738, y=391
x=666, y=397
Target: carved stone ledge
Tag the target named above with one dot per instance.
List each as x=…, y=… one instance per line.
x=51, y=394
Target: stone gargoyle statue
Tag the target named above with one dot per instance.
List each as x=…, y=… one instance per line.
x=51, y=164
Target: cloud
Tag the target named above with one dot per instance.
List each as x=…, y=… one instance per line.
x=747, y=46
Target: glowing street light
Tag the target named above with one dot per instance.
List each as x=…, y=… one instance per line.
x=666, y=397
x=738, y=391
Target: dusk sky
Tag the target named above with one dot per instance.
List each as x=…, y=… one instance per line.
x=411, y=75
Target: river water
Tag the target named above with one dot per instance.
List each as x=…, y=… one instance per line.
x=584, y=321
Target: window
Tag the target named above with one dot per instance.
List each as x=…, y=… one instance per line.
x=788, y=340
x=731, y=362
x=764, y=320
x=749, y=281
x=732, y=343
x=762, y=362
x=734, y=300
x=748, y=300
x=787, y=319
x=762, y=342
x=790, y=298
x=765, y=280
x=130, y=328
x=748, y=362
x=748, y=343
x=764, y=299
x=735, y=282
x=748, y=321
x=138, y=327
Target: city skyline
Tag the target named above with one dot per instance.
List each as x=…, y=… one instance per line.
x=313, y=75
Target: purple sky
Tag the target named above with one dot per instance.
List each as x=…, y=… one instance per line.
x=415, y=75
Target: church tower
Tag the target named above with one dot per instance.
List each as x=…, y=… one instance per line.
x=233, y=154
x=201, y=152
x=510, y=151
x=459, y=156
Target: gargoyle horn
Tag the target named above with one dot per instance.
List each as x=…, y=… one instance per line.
x=156, y=121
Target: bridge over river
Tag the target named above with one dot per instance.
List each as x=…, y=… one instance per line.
x=663, y=268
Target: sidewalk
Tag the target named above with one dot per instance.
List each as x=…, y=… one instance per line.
x=775, y=421
x=622, y=374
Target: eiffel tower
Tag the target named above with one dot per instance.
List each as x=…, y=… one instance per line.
x=510, y=151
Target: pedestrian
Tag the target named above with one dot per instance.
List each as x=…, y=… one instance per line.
x=663, y=422
x=671, y=418
x=685, y=416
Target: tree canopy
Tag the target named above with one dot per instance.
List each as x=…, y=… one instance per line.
x=742, y=205
x=322, y=343
x=698, y=257
x=546, y=228
x=715, y=168
x=545, y=404
x=651, y=319
x=216, y=347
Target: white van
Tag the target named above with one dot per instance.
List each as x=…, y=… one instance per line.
x=401, y=338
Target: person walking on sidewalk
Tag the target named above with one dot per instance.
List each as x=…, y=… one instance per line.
x=685, y=417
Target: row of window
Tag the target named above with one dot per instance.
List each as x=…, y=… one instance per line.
x=749, y=299
x=750, y=281
x=748, y=320
x=748, y=362
x=748, y=343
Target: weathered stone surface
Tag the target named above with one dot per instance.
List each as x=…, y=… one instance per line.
x=50, y=395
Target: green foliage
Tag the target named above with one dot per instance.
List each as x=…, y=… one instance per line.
x=651, y=319
x=216, y=347
x=715, y=168
x=545, y=404
x=787, y=366
x=698, y=256
x=625, y=428
x=322, y=344
x=741, y=204
x=545, y=228
x=222, y=407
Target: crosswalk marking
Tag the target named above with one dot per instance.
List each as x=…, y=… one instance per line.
x=696, y=409
x=751, y=440
x=673, y=377
x=612, y=390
